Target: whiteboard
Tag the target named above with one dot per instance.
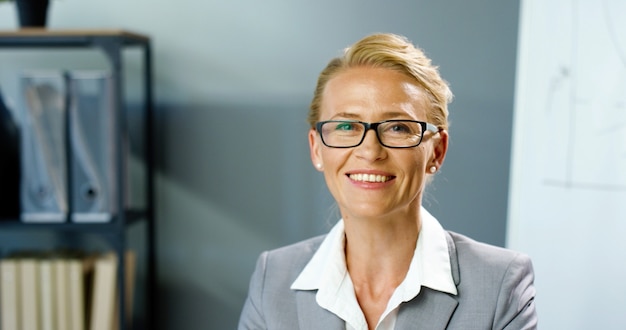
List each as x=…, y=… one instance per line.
x=567, y=200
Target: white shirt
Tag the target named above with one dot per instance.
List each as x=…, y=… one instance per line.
x=327, y=273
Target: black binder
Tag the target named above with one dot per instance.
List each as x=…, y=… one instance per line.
x=9, y=165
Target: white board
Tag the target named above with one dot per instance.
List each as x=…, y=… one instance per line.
x=567, y=201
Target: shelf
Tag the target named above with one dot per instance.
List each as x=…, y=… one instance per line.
x=37, y=37
x=132, y=217
x=111, y=42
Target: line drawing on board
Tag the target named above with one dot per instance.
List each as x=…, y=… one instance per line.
x=568, y=173
x=585, y=107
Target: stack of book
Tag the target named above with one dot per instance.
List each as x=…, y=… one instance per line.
x=63, y=290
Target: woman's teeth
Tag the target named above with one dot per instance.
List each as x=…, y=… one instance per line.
x=369, y=177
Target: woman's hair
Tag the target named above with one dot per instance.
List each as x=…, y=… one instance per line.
x=396, y=53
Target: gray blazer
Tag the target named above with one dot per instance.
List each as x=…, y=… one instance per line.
x=495, y=291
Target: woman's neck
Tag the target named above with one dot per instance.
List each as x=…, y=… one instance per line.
x=380, y=247
x=378, y=256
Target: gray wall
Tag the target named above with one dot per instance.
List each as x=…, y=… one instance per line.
x=233, y=81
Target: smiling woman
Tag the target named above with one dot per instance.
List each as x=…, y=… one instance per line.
x=378, y=132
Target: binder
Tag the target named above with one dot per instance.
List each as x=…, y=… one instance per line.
x=10, y=164
x=43, y=187
x=92, y=132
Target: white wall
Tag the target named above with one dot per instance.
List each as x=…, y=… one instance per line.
x=249, y=67
x=568, y=178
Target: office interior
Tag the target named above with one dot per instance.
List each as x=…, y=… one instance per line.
x=232, y=83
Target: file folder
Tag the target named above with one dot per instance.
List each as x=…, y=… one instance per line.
x=43, y=141
x=93, y=160
x=10, y=164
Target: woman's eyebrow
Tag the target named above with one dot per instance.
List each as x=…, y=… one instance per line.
x=396, y=114
x=389, y=114
x=348, y=115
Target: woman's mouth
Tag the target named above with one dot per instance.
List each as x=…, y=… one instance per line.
x=364, y=177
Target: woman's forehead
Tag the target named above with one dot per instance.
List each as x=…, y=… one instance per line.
x=361, y=91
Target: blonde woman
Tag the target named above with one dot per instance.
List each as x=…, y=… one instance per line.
x=379, y=132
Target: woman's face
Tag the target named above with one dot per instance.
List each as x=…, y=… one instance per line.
x=372, y=95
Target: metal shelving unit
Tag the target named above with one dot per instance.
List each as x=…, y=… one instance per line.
x=111, y=43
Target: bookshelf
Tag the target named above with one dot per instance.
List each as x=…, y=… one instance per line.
x=111, y=43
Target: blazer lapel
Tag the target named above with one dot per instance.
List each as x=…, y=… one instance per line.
x=431, y=309
x=313, y=317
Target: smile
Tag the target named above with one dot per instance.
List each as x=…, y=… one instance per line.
x=369, y=177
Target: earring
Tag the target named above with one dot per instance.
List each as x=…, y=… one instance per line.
x=318, y=165
x=432, y=169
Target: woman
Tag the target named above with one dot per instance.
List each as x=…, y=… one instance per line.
x=378, y=133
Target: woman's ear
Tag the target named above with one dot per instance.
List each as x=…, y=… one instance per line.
x=315, y=149
x=440, y=148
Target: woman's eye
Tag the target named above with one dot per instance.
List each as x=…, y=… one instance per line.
x=400, y=128
x=344, y=127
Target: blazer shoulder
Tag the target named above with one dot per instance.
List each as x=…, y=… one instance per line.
x=494, y=284
x=468, y=249
x=298, y=250
x=271, y=303
x=291, y=259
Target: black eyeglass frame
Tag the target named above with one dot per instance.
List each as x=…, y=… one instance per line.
x=374, y=126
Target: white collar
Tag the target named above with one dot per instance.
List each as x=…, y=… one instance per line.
x=327, y=272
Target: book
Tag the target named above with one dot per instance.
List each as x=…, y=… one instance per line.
x=80, y=269
x=130, y=268
x=65, y=290
x=29, y=292
x=47, y=291
x=130, y=262
x=104, y=292
x=9, y=294
x=61, y=298
x=76, y=294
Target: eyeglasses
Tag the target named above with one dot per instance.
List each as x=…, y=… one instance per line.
x=390, y=133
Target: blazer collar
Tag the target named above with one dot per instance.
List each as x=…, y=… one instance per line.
x=454, y=259
x=430, y=307
x=311, y=316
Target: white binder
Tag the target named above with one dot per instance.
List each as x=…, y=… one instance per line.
x=43, y=156
x=93, y=158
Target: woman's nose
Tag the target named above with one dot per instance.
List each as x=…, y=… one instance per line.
x=370, y=148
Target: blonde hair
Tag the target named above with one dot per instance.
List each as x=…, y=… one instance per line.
x=393, y=52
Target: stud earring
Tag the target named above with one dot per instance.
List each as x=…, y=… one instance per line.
x=432, y=169
x=319, y=165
